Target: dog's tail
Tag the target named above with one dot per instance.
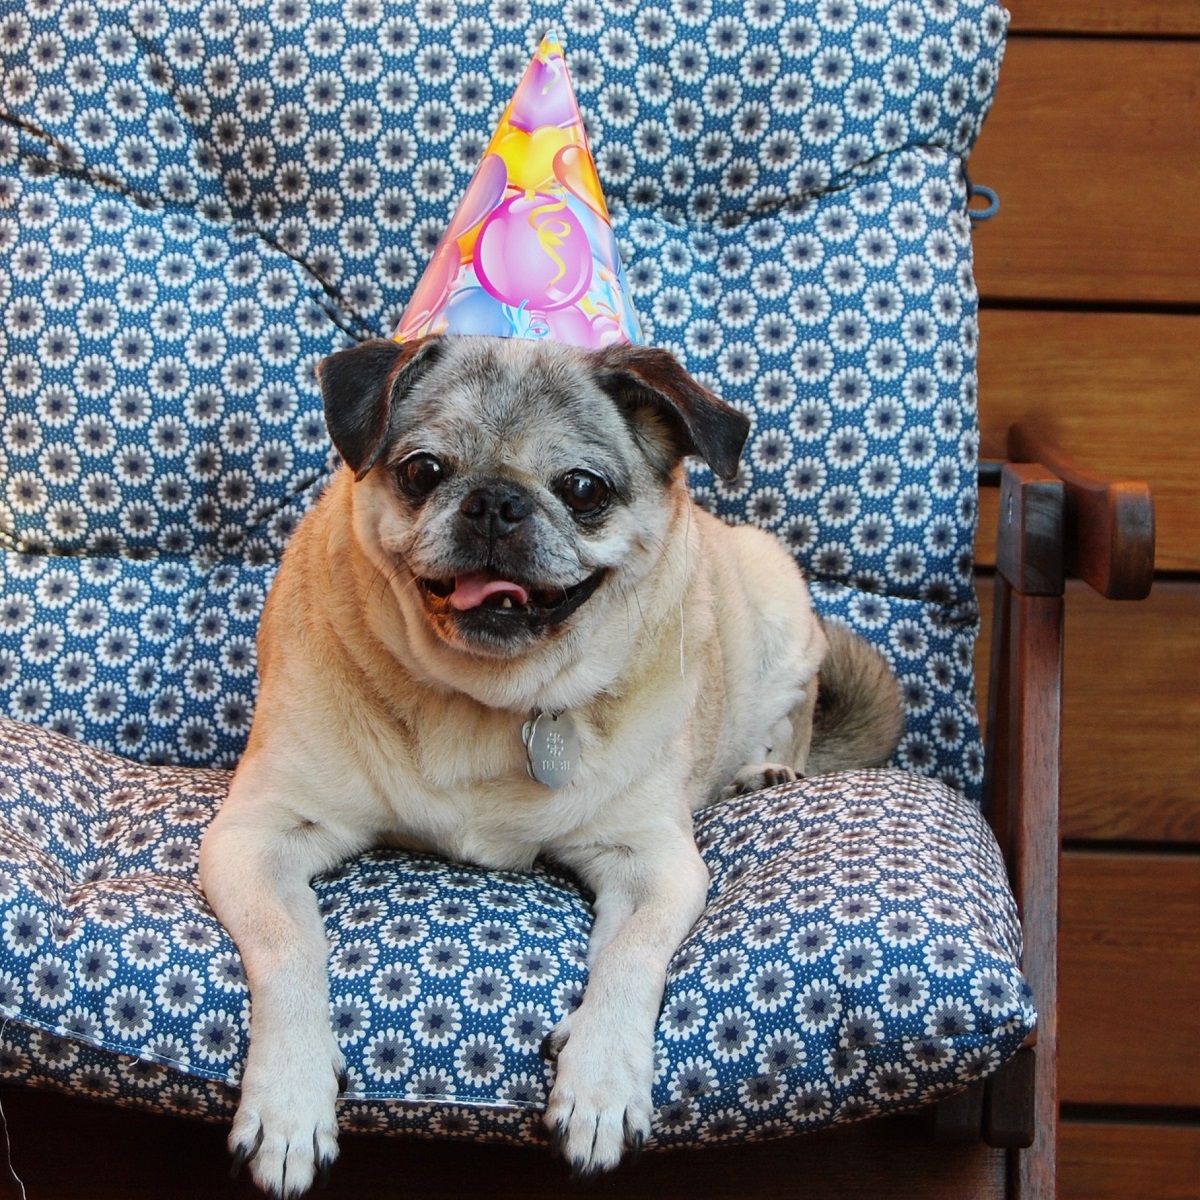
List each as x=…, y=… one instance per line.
x=860, y=712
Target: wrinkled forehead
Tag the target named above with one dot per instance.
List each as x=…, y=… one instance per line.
x=515, y=403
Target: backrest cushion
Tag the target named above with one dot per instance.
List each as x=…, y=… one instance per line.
x=199, y=201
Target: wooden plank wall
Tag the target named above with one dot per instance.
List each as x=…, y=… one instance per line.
x=1090, y=279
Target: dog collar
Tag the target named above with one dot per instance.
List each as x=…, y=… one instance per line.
x=552, y=745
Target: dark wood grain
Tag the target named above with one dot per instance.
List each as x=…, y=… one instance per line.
x=1109, y=524
x=1130, y=977
x=1010, y=1113
x=1036, y=660
x=1120, y=392
x=1023, y=774
x=1093, y=146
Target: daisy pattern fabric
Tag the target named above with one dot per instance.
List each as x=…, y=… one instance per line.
x=200, y=200
x=857, y=956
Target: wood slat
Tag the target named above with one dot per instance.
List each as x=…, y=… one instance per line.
x=117, y=1154
x=1129, y=979
x=1131, y=714
x=1145, y=17
x=1106, y=1160
x=1094, y=148
x=1120, y=392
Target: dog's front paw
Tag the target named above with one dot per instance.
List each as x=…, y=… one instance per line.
x=286, y=1124
x=600, y=1104
x=757, y=777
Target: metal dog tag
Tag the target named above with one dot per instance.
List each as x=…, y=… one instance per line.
x=552, y=744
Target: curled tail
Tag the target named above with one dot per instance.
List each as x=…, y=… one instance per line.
x=860, y=711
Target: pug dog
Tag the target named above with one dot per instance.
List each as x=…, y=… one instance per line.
x=505, y=631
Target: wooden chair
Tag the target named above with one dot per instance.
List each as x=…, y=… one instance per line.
x=994, y=1140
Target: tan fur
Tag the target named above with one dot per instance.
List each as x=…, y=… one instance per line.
x=691, y=673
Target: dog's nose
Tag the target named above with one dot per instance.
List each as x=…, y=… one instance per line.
x=496, y=509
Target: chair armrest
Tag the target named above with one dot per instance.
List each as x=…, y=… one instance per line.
x=1021, y=793
x=1055, y=519
x=1108, y=525
x=1031, y=537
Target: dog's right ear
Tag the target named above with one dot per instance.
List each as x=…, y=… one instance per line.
x=360, y=385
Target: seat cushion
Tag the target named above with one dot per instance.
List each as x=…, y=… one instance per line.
x=857, y=955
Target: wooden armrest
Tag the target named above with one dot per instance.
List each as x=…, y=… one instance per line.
x=1108, y=525
x=1031, y=538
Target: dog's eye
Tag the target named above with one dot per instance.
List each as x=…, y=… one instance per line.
x=584, y=492
x=419, y=474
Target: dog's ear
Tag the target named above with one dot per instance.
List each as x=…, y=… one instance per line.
x=646, y=380
x=360, y=385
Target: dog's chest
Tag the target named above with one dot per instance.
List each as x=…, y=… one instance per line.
x=468, y=793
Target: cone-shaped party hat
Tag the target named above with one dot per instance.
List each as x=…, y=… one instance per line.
x=530, y=251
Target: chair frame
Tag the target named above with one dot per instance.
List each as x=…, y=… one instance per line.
x=1056, y=519
x=996, y=1139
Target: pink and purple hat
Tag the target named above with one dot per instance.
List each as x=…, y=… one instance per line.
x=530, y=251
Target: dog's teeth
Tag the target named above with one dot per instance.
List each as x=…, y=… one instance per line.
x=506, y=602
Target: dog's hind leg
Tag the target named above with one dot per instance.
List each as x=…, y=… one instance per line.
x=256, y=861
x=649, y=892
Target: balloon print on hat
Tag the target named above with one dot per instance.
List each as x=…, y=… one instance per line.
x=530, y=251
x=533, y=250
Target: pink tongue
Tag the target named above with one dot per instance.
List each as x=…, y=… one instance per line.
x=470, y=591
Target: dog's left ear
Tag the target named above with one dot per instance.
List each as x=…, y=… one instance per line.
x=697, y=422
x=359, y=387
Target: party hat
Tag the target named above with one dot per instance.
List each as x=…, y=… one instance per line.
x=530, y=251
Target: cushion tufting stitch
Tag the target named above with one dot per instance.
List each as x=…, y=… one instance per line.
x=857, y=955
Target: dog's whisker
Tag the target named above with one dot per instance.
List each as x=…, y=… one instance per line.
x=387, y=578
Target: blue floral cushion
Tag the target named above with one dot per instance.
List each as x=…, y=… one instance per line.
x=857, y=955
x=197, y=203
